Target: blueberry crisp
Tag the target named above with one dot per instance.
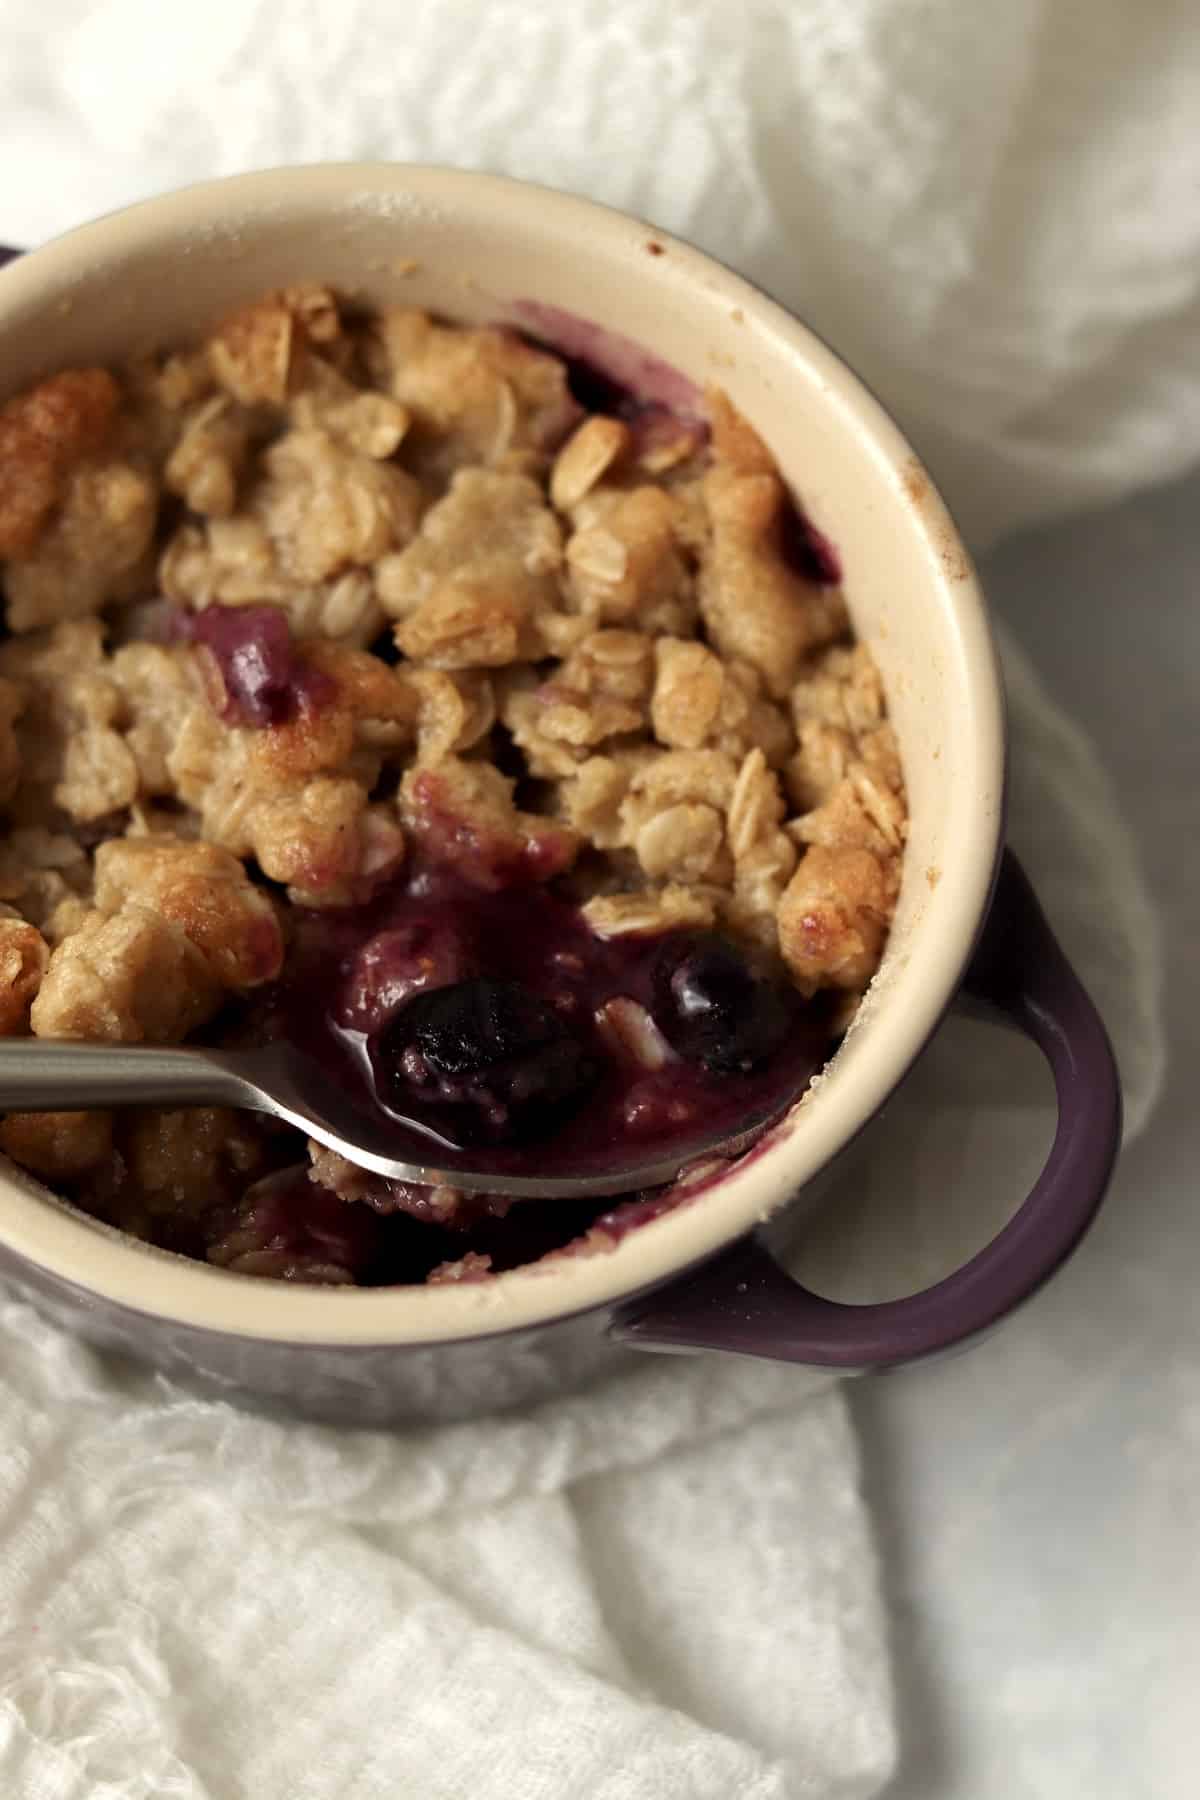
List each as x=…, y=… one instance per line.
x=412, y=692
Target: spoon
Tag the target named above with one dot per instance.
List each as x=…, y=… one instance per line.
x=285, y=1083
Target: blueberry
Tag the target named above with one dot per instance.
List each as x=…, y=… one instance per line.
x=488, y=1060
x=266, y=680
x=714, y=1009
x=421, y=952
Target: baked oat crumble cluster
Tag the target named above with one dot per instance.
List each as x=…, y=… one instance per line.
x=336, y=595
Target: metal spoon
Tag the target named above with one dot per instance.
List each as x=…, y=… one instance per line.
x=277, y=1079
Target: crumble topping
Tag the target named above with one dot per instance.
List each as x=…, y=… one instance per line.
x=331, y=595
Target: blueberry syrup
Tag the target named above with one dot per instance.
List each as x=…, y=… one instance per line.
x=608, y=373
x=808, y=550
x=465, y=1016
x=289, y=1214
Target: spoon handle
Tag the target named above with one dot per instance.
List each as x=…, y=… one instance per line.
x=43, y=1074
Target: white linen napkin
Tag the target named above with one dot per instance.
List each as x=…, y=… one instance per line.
x=990, y=213
x=662, y=1588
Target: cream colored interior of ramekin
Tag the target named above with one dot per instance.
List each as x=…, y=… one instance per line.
x=468, y=246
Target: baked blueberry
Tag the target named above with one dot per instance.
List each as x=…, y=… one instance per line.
x=419, y=953
x=487, y=1060
x=713, y=1008
x=266, y=680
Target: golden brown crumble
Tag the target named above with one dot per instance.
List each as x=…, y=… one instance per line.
x=529, y=638
x=44, y=434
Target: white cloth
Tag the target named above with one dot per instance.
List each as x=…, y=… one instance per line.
x=663, y=1587
x=993, y=217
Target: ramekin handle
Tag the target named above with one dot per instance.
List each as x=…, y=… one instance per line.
x=744, y=1302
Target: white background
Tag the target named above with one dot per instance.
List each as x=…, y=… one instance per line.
x=1038, y=1499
